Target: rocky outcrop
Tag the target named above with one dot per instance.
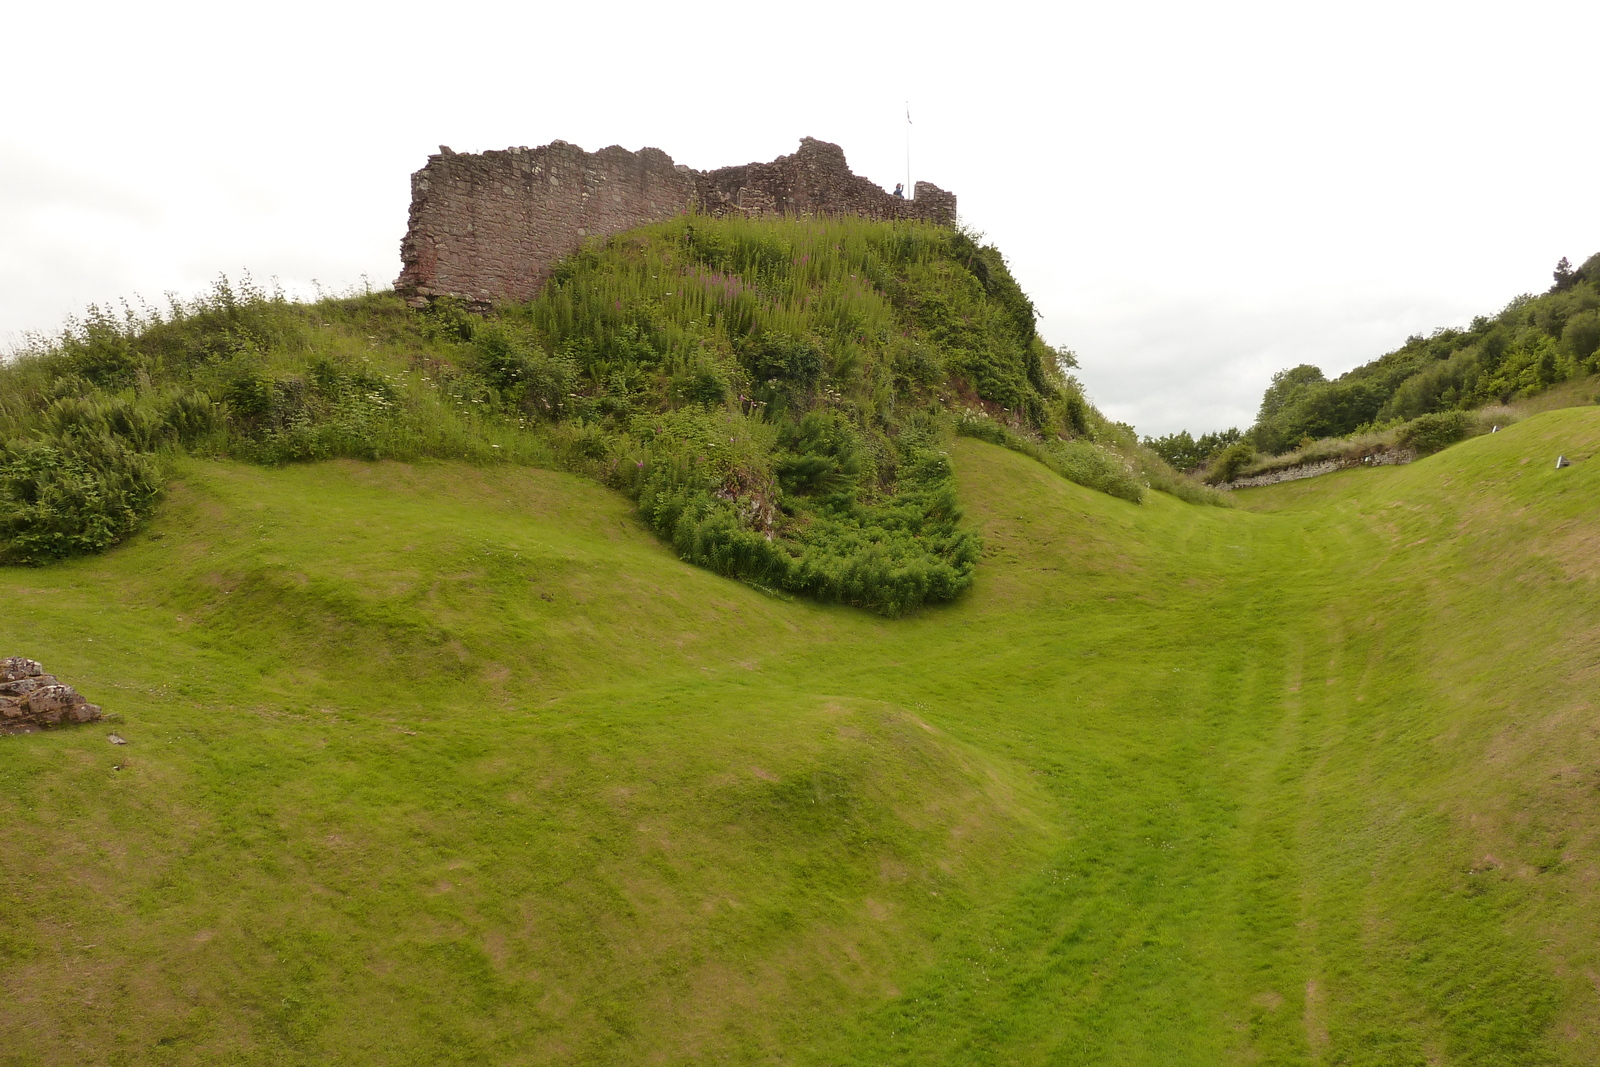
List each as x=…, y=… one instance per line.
x=31, y=699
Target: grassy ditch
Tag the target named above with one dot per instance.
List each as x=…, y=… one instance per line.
x=436, y=762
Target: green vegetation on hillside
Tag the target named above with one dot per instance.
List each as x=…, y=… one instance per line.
x=446, y=763
x=776, y=395
x=1535, y=343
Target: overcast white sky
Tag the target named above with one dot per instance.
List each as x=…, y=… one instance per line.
x=1195, y=195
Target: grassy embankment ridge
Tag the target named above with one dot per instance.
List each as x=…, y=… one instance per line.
x=775, y=395
x=438, y=763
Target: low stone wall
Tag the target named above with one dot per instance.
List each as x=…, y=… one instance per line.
x=1387, y=458
x=31, y=699
x=488, y=228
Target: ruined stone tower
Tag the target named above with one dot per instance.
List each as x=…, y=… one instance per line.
x=487, y=228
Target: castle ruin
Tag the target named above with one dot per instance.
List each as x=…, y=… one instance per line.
x=488, y=228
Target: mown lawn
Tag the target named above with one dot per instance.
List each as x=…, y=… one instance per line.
x=436, y=764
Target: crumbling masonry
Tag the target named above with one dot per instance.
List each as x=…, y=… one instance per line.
x=30, y=698
x=488, y=228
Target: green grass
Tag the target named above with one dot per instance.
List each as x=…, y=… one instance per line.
x=434, y=763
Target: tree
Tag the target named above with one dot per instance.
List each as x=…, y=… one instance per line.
x=1563, y=276
x=1285, y=384
x=1287, y=387
x=1230, y=461
x=1177, y=449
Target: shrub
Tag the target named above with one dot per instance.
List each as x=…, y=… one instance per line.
x=821, y=457
x=145, y=424
x=250, y=396
x=68, y=496
x=1185, y=489
x=1581, y=338
x=1432, y=432
x=986, y=429
x=892, y=557
x=782, y=359
x=191, y=417
x=522, y=373
x=703, y=382
x=1230, y=462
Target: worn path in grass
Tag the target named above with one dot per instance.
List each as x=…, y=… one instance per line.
x=435, y=764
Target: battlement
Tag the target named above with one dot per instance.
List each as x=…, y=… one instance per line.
x=488, y=228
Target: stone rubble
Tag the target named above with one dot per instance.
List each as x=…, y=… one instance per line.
x=31, y=699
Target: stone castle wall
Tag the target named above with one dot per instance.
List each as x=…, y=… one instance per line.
x=488, y=228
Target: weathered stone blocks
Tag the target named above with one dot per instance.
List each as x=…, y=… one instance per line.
x=30, y=698
x=14, y=668
x=1386, y=458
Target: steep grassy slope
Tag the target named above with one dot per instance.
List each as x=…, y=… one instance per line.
x=773, y=394
x=437, y=764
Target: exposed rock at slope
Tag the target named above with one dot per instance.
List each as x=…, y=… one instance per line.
x=31, y=699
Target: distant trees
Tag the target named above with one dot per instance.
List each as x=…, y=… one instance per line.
x=1186, y=453
x=1535, y=342
x=1300, y=403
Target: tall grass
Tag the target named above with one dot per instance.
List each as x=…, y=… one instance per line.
x=1118, y=468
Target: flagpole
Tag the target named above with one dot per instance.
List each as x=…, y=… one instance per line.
x=909, y=187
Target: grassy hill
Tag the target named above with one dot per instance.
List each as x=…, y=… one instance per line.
x=434, y=762
x=775, y=395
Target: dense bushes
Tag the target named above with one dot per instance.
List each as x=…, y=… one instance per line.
x=1231, y=462
x=529, y=379
x=69, y=495
x=891, y=556
x=1434, y=431
x=91, y=472
x=1186, y=453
